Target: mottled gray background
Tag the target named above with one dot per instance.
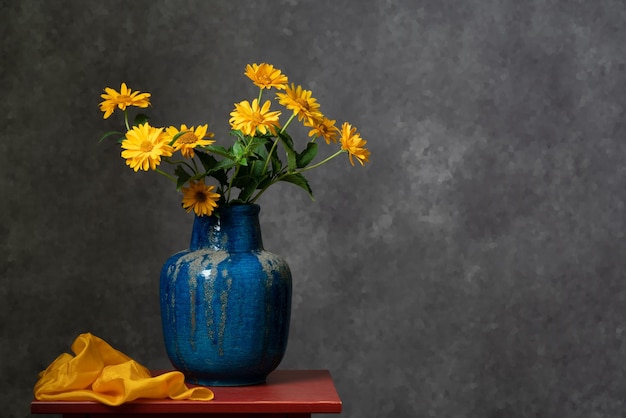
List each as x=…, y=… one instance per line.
x=474, y=269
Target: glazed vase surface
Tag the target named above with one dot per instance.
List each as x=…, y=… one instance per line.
x=226, y=302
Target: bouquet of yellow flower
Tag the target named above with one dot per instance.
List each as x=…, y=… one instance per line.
x=251, y=164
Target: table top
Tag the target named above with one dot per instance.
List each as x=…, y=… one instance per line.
x=288, y=391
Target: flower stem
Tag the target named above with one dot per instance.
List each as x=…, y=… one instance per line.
x=288, y=122
x=230, y=184
x=269, y=156
x=175, y=162
x=172, y=178
x=263, y=189
x=281, y=176
x=341, y=151
x=126, y=119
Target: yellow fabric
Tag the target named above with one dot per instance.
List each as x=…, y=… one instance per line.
x=100, y=373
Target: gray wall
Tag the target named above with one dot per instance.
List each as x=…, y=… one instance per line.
x=474, y=269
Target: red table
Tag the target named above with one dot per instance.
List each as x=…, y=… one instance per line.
x=287, y=393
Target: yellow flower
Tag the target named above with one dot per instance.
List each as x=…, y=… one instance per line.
x=352, y=142
x=326, y=129
x=200, y=198
x=248, y=118
x=144, y=146
x=302, y=104
x=125, y=97
x=193, y=137
x=266, y=76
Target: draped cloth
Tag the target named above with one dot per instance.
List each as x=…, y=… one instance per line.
x=98, y=372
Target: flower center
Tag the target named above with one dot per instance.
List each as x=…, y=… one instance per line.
x=187, y=138
x=256, y=117
x=303, y=103
x=265, y=79
x=146, y=146
x=123, y=98
x=200, y=197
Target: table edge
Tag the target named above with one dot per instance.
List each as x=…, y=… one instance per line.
x=193, y=406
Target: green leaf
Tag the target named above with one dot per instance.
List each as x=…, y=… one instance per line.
x=277, y=164
x=238, y=150
x=140, y=119
x=299, y=180
x=221, y=151
x=248, y=189
x=220, y=176
x=286, y=138
x=291, y=161
x=261, y=153
x=307, y=155
x=183, y=176
x=178, y=135
x=223, y=165
x=198, y=177
x=238, y=134
x=257, y=168
x=214, y=168
x=242, y=177
x=208, y=161
x=259, y=147
x=265, y=182
x=287, y=142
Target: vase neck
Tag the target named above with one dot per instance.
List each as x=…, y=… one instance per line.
x=233, y=229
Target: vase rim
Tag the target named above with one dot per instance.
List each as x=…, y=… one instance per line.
x=243, y=209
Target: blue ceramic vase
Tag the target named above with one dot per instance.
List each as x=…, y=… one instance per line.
x=226, y=302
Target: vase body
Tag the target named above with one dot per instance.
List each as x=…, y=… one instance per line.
x=226, y=302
